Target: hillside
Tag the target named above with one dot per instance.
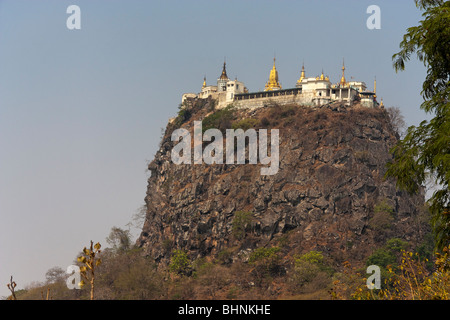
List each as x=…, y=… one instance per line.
x=326, y=195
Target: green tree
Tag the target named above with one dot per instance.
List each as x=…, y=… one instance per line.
x=245, y=124
x=266, y=263
x=383, y=217
x=180, y=263
x=396, y=245
x=268, y=257
x=382, y=257
x=387, y=257
x=240, y=224
x=424, y=152
x=220, y=119
x=310, y=272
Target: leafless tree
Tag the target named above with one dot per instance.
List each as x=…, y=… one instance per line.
x=11, y=286
x=397, y=120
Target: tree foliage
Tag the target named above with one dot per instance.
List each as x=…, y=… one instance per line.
x=310, y=272
x=119, y=239
x=220, y=119
x=412, y=281
x=128, y=275
x=265, y=262
x=180, y=263
x=424, y=152
x=55, y=274
x=241, y=222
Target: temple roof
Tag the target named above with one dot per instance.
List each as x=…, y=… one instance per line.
x=224, y=76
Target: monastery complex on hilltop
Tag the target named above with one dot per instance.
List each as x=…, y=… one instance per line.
x=312, y=91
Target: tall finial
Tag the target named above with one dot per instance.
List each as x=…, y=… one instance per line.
x=274, y=62
x=204, y=82
x=375, y=86
x=343, y=82
x=302, y=75
x=224, y=71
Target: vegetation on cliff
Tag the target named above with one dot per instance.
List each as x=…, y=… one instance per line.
x=329, y=189
x=270, y=273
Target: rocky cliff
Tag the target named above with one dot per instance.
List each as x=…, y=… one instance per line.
x=329, y=193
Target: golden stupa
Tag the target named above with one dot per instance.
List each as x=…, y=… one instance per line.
x=273, y=83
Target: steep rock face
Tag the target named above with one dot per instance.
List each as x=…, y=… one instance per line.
x=330, y=178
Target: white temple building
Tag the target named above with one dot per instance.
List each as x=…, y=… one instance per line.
x=310, y=91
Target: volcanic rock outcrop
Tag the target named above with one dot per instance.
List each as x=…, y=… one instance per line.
x=329, y=193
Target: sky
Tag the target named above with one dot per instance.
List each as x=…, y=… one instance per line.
x=81, y=111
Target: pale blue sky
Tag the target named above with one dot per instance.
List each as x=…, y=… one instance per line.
x=81, y=111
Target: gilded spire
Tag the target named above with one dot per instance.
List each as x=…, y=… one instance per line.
x=204, y=82
x=343, y=81
x=224, y=76
x=375, y=87
x=302, y=75
x=273, y=83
